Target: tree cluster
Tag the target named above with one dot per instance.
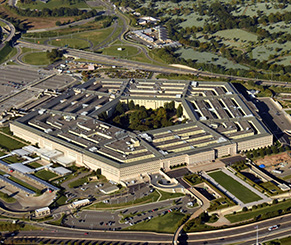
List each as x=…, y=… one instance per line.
x=107, y=20
x=55, y=12
x=274, y=149
x=54, y=55
x=135, y=117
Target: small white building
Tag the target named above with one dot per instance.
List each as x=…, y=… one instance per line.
x=80, y=203
x=41, y=212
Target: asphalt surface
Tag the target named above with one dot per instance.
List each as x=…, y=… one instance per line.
x=103, y=59
x=11, y=34
x=244, y=234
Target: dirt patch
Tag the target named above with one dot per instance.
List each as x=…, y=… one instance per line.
x=281, y=162
x=35, y=22
x=274, y=160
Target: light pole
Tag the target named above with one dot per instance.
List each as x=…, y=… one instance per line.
x=257, y=237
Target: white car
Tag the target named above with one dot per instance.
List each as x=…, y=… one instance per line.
x=273, y=227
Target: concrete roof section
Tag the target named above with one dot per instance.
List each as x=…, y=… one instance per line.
x=216, y=115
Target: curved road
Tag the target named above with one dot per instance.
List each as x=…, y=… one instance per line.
x=105, y=59
x=11, y=34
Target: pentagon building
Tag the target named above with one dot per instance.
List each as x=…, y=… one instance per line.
x=219, y=123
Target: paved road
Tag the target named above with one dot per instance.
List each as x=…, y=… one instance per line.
x=245, y=234
x=11, y=34
x=104, y=59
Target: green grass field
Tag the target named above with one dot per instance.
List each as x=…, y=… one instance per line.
x=152, y=197
x=238, y=190
x=71, y=43
x=34, y=165
x=237, y=33
x=11, y=159
x=281, y=241
x=94, y=25
x=78, y=182
x=95, y=37
x=20, y=182
x=9, y=144
x=126, y=51
x=6, y=198
x=166, y=223
x=207, y=57
x=45, y=175
x=6, y=53
x=38, y=58
x=53, y=4
x=233, y=218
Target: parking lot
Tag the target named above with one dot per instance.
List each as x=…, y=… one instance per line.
x=122, y=218
x=19, y=85
x=55, y=82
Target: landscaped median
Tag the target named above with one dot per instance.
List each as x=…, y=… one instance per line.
x=261, y=211
x=167, y=223
x=152, y=197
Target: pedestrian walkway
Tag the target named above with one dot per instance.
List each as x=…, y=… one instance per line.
x=220, y=222
x=205, y=205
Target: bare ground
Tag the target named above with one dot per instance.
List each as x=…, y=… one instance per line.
x=35, y=22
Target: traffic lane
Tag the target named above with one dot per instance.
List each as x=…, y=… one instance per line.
x=284, y=222
x=99, y=235
x=242, y=239
x=161, y=69
x=248, y=239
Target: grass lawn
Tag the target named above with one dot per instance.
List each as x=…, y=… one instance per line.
x=59, y=221
x=6, y=198
x=166, y=223
x=61, y=200
x=34, y=165
x=152, y=197
x=38, y=58
x=237, y=189
x=95, y=37
x=71, y=42
x=94, y=25
x=78, y=182
x=167, y=195
x=271, y=186
x=52, y=4
x=20, y=182
x=233, y=218
x=6, y=130
x=6, y=53
x=281, y=241
x=11, y=159
x=45, y=175
x=124, y=53
x=147, y=199
x=9, y=144
x=237, y=33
